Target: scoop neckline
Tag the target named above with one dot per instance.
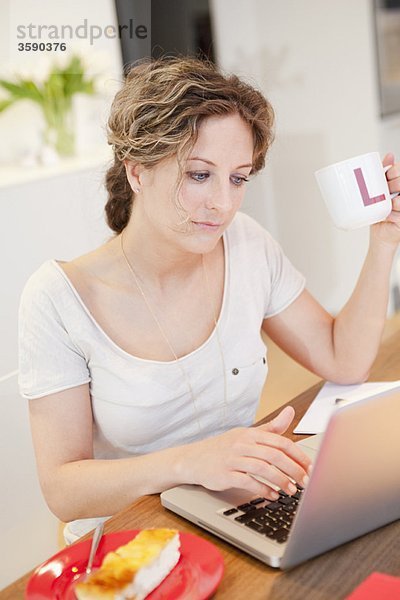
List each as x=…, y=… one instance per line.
x=220, y=319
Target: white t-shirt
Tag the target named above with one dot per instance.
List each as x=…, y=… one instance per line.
x=140, y=405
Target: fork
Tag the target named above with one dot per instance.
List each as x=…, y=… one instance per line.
x=98, y=532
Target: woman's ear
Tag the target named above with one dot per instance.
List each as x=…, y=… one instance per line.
x=133, y=172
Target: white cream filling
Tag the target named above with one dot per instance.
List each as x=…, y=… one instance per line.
x=150, y=576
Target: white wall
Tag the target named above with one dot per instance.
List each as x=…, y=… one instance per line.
x=316, y=63
x=56, y=213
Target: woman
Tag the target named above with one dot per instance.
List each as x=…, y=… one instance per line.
x=143, y=360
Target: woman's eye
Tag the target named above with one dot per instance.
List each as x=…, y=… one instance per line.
x=239, y=179
x=199, y=176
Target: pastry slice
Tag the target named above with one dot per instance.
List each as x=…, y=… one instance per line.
x=135, y=569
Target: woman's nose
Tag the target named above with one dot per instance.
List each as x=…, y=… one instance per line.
x=220, y=199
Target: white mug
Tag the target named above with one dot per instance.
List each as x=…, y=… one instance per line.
x=355, y=191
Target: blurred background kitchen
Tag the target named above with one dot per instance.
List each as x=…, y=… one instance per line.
x=331, y=70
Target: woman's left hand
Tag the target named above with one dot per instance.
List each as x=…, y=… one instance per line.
x=388, y=231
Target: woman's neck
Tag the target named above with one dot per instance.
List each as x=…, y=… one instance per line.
x=154, y=258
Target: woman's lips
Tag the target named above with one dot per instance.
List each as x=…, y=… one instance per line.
x=207, y=225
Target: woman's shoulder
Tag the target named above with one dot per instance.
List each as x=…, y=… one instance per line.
x=251, y=239
x=95, y=265
x=245, y=226
x=54, y=276
x=41, y=290
x=43, y=279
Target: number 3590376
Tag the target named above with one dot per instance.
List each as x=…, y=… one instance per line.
x=42, y=46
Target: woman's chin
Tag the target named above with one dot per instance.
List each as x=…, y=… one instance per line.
x=202, y=244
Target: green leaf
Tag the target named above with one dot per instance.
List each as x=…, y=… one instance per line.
x=5, y=104
x=74, y=78
x=33, y=90
x=22, y=90
x=88, y=87
x=54, y=86
x=31, y=85
x=13, y=88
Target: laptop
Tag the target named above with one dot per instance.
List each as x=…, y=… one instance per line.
x=354, y=488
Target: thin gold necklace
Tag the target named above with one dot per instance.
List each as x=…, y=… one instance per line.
x=164, y=335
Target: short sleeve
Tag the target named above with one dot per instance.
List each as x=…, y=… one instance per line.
x=49, y=361
x=286, y=282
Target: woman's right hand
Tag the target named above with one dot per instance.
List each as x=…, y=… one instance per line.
x=236, y=458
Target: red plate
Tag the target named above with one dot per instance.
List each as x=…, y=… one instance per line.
x=196, y=576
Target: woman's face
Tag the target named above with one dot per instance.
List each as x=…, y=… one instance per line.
x=212, y=187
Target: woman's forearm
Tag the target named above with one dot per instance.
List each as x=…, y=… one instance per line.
x=234, y=459
x=94, y=488
x=357, y=330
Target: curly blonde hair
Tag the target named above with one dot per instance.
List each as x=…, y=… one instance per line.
x=157, y=114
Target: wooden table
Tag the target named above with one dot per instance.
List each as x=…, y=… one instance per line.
x=328, y=577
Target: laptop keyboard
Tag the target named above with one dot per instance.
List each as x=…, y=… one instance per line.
x=270, y=519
